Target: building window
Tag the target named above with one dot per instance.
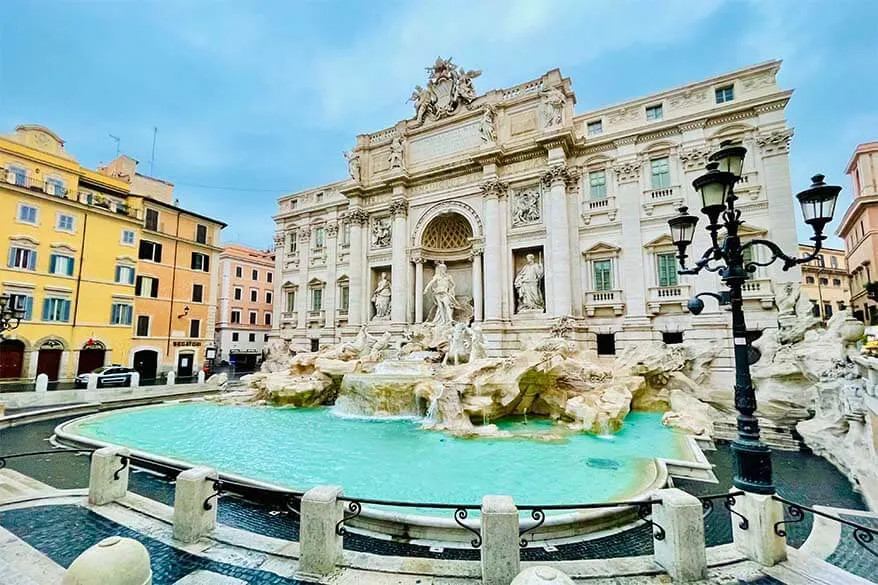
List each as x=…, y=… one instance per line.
x=60, y=264
x=194, y=328
x=24, y=303
x=809, y=280
x=597, y=184
x=200, y=262
x=654, y=113
x=150, y=251
x=672, y=337
x=27, y=213
x=667, y=269
x=724, y=94
x=251, y=337
x=55, y=186
x=841, y=306
x=346, y=234
x=151, y=220
x=269, y=276
x=146, y=286
x=344, y=298
x=65, y=222
x=236, y=316
x=142, y=326
x=824, y=280
x=294, y=246
x=197, y=293
x=239, y=293
x=239, y=272
x=128, y=237
x=254, y=275
x=606, y=343
x=267, y=318
x=201, y=234
x=23, y=258
x=291, y=301
x=595, y=128
x=16, y=176
x=121, y=314
x=319, y=237
x=56, y=309
x=660, y=172
x=268, y=297
x=316, y=299
x=253, y=317
x=603, y=275
x=836, y=282
x=235, y=336
x=124, y=274
x=833, y=261
x=827, y=310
x=265, y=338
x=254, y=295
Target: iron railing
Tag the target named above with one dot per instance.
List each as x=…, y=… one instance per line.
x=862, y=535
x=5, y=458
x=728, y=501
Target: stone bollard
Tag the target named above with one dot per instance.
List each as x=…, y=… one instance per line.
x=500, y=543
x=759, y=541
x=170, y=377
x=200, y=377
x=135, y=380
x=91, y=382
x=112, y=561
x=682, y=552
x=42, y=384
x=191, y=520
x=320, y=547
x=108, y=476
x=542, y=575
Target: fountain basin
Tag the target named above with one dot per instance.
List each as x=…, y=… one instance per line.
x=395, y=460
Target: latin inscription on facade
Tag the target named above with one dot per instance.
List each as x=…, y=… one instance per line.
x=522, y=122
x=445, y=143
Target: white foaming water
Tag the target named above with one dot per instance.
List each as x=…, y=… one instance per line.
x=434, y=407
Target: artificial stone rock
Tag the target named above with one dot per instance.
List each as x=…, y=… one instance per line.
x=112, y=561
x=220, y=380
x=541, y=575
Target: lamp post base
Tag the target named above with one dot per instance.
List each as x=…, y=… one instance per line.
x=752, y=467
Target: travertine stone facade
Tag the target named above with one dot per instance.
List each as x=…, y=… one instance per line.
x=481, y=182
x=826, y=281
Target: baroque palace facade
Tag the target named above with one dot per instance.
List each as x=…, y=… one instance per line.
x=536, y=212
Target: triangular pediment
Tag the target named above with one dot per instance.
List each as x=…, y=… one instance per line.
x=602, y=248
x=315, y=282
x=662, y=241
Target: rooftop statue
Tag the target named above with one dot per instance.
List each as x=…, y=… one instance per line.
x=448, y=87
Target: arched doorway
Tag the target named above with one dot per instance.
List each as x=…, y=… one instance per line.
x=11, y=358
x=49, y=359
x=146, y=363
x=91, y=356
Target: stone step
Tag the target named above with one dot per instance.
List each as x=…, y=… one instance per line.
x=804, y=569
x=10, y=576
x=27, y=481
x=208, y=578
x=15, y=484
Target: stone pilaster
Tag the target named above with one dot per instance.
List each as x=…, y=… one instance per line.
x=492, y=190
x=358, y=218
x=399, y=262
x=419, y=290
x=557, y=268
x=329, y=293
x=633, y=272
x=304, y=263
x=775, y=147
x=476, y=258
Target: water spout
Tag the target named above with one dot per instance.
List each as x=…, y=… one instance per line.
x=604, y=430
x=525, y=416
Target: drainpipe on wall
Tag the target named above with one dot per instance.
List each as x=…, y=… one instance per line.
x=79, y=271
x=173, y=285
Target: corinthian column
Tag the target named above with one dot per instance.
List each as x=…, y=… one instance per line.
x=331, y=275
x=477, y=283
x=557, y=271
x=419, y=290
x=492, y=190
x=357, y=217
x=399, y=263
x=304, y=261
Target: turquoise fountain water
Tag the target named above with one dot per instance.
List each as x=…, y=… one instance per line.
x=395, y=459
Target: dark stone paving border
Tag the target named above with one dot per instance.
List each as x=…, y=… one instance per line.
x=853, y=557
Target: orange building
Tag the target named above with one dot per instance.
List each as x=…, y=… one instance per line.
x=246, y=293
x=177, y=279
x=859, y=229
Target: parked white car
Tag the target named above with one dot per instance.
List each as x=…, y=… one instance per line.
x=114, y=375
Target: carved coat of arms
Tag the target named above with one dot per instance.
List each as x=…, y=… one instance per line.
x=448, y=87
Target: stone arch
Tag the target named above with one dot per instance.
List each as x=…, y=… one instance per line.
x=735, y=130
x=445, y=207
x=597, y=160
x=51, y=342
x=656, y=147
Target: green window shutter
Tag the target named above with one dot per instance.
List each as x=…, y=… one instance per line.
x=32, y=260
x=10, y=262
x=46, y=308
x=667, y=268
x=65, y=310
x=70, y=267
x=53, y=261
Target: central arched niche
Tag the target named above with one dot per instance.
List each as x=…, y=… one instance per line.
x=448, y=238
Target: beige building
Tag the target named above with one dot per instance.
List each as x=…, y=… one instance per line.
x=859, y=229
x=244, y=315
x=826, y=280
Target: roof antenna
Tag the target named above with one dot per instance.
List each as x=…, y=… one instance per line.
x=118, y=141
x=155, y=131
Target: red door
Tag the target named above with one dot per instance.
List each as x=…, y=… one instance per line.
x=11, y=358
x=90, y=359
x=49, y=363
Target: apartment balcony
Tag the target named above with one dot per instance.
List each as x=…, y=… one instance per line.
x=661, y=297
x=34, y=184
x=593, y=207
x=289, y=317
x=759, y=289
x=665, y=198
x=316, y=316
x=604, y=299
x=108, y=204
x=748, y=186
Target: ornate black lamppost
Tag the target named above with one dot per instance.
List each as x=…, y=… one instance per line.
x=716, y=187
x=10, y=316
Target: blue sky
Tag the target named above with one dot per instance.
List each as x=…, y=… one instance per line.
x=256, y=99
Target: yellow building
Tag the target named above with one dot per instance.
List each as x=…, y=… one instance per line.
x=826, y=281
x=69, y=239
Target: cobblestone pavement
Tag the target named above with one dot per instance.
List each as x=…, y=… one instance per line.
x=852, y=556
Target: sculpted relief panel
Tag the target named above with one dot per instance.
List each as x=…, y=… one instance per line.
x=527, y=207
x=445, y=143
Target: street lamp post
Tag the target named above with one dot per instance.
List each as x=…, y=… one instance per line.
x=726, y=257
x=10, y=316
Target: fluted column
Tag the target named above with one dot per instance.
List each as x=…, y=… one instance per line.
x=399, y=262
x=357, y=217
x=304, y=261
x=557, y=270
x=492, y=190
x=477, y=284
x=329, y=293
x=419, y=290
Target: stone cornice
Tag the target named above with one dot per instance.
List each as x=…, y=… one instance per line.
x=775, y=142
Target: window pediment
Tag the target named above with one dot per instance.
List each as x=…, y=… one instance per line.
x=62, y=248
x=663, y=242
x=22, y=240
x=602, y=250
